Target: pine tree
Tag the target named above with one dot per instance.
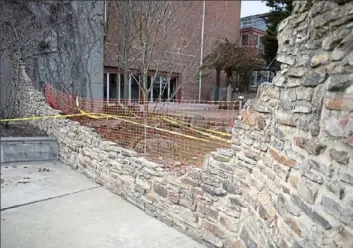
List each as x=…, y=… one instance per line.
x=280, y=9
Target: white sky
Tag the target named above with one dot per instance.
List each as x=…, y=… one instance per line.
x=253, y=8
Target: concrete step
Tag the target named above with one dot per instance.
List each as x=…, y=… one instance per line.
x=28, y=149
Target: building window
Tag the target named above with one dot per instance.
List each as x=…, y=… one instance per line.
x=253, y=83
x=260, y=77
x=110, y=86
x=260, y=47
x=245, y=40
x=256, y=41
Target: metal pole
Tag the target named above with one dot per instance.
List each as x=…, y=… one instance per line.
x=241, y=99
x=160, y=88
x=129, y=88
x=118, y=85
x=151, y=88
x=105, y=12
x=201, y=52
x=108, y=87
x=168, y=82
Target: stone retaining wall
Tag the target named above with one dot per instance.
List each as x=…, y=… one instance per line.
x=287, y=179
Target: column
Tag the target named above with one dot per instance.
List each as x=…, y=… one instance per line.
x=118, y=85
x=129, y=88
x=168, y=82
x=108, y=85
x=160, y=88
x=151, y=88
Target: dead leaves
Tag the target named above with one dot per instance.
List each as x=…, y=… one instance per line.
x=44, y=169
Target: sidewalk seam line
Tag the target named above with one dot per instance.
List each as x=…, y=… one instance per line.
x=47, y=199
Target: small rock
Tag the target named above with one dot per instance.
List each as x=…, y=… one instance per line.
x=339, y=82
x=339, y=156
x=321, y=59
x=337, y=55
x=314, y=79
x=307, y=191
x=297, y=72
x=14, y=166
x=26, y=178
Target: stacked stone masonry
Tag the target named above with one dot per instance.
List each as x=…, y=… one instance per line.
x=286, y=180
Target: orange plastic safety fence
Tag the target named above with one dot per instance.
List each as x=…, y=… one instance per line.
x=175, y=133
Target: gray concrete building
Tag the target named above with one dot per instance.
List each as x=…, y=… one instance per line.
x=62, y=43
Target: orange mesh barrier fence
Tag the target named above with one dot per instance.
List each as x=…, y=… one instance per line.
x=172, y=133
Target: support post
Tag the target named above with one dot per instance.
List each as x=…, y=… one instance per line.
x=160, y=88
x=168, y=82
x=201, y=50
x=129, y=88
x=118, y=85
x=151, y=88
x=108, y=85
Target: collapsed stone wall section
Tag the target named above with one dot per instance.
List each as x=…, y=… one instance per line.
x=286, y=180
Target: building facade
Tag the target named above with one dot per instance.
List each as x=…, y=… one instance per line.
x=252, y=28
x=254, y=21
x=203, y=26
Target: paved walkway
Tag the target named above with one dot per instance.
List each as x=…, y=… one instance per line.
x=62, y=208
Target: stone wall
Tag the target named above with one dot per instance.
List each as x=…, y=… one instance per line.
x=286, y=180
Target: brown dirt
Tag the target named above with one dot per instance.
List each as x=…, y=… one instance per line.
x=183, y=151
x=20, y=130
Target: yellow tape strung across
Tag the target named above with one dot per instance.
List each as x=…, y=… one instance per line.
x=179, y=123
x=123, y=118
x=39, y=117
x=187, y=125
x=203, y=133
x=167, y=131
x=56, y=116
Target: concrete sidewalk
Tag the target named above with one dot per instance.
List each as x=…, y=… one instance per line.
x=62, y=208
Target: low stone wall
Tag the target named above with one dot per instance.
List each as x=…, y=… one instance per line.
x=27, y=149
x=286, y=180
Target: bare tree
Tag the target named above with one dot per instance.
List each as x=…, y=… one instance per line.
x=75, y=38
x=18, y=43
x=59, y=42
x=156, y=37
x=235, y=61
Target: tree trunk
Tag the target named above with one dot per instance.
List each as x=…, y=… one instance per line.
x=145, y=112
x=218, y=83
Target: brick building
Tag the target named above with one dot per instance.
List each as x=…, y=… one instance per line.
x=252, y=28
x=221, y=20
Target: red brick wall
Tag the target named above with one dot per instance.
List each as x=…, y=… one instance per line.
x=252, y=32
x=222, y=20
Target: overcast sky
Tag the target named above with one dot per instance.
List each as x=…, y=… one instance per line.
x=253, y=8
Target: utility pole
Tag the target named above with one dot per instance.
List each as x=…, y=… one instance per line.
x=201, y=52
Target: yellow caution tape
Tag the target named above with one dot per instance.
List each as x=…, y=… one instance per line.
x=39, y=117
x=188, y=125
x=167, y=131
x=181, y=123
x=123, y=118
